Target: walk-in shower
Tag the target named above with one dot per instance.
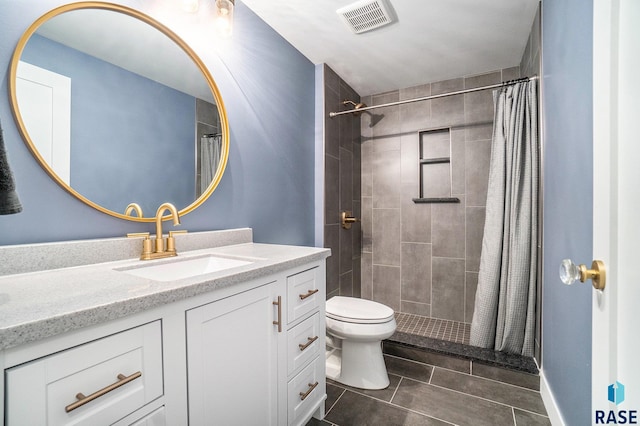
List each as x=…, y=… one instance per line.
x=420, y=258
x=420, y=253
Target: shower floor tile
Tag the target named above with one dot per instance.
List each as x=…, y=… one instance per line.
x=435, y=328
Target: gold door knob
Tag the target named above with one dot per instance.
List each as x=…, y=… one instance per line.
x=570, y=272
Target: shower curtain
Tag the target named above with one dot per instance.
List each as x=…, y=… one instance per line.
x=210, y=151
x=505, y=305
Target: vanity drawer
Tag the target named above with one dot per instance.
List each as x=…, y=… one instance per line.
x=303, y=294
x=155, y=418
x=303, y=343
x=43, y=391
x=306, y=391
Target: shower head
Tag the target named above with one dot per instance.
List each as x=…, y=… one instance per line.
x=355, y=106
x=375, y=118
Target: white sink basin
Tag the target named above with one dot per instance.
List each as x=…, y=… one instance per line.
x=184, y=268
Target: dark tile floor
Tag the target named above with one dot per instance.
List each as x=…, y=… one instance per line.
x=424, y=394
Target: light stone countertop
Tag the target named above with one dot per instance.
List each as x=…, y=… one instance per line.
x=41, y=304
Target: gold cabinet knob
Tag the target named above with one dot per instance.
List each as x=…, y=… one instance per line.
x=570, y=273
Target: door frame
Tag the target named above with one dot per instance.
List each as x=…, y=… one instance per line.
x=604, y=141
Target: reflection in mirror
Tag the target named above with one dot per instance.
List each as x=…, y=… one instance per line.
x=120, y=116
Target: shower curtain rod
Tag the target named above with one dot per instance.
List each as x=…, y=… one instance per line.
x=426, y=98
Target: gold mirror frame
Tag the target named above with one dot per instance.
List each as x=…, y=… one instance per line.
x=166, y=31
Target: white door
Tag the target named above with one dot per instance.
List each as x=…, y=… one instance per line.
x=44, y=99
x=616, y=218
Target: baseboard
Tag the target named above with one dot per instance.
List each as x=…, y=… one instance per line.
x=549, y=402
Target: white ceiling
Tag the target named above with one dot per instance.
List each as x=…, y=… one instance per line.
x=431, y=40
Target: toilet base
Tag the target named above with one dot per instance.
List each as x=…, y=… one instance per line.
x=358, y=364
x=333, y=364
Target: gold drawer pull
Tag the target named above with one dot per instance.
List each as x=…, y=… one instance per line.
x=122, y=380
x=304, y=395
x=309, y=293
x=279, y=322
x=306, y=345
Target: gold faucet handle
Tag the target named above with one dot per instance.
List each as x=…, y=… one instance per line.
x=138, y=234
x=347, y=219
x=171, y=244
x=147, y=246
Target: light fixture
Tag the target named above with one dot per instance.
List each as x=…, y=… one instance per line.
x=190, y=6
x=224, y=17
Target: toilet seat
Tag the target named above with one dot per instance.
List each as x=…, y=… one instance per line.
x=358, y=311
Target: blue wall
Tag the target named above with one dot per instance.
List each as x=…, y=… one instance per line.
x=568, y=176
x=268, y=90
x=123, y=124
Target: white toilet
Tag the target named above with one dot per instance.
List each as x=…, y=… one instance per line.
x=355, y=330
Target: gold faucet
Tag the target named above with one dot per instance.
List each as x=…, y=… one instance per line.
x=161, y=250
x=170, y=249
x=133, y=207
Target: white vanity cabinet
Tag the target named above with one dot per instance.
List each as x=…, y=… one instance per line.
x=255, y=358
x=95, y=383
x=156, y=418
x=232, y=355
x=250, y=353
x=305, y=343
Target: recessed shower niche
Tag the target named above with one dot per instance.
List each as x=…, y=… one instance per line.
x=435, y=163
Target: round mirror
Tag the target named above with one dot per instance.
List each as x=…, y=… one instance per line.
x=118, y=110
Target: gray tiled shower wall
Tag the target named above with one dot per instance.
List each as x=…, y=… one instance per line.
x=342, y=188
x=423, y=258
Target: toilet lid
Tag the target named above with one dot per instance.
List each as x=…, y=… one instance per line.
x=352, y=309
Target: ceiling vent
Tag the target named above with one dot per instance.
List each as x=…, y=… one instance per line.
x=365, y=15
